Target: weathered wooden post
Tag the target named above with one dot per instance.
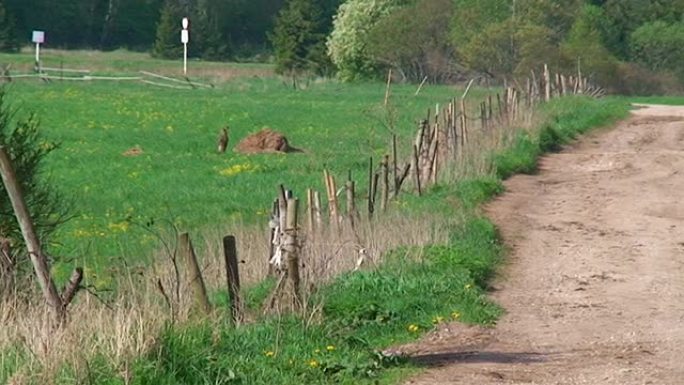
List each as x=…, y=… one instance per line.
x=196, y=281
x=310, y=216
x=351, y=204
x=317, y=209
x=371, y=194
x=547, y=83
x=40, y=263
x=333, y=207
x=416, y=170
x=291, y=250
x=233, y=277
x=394, y=164
x=384, y=193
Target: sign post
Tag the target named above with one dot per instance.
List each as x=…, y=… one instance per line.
x=38, y=37
x=185, y=38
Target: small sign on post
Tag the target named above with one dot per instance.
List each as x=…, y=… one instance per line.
x=38, y=37
x=185, y=38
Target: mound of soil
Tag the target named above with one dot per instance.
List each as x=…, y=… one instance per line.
x=266, y=140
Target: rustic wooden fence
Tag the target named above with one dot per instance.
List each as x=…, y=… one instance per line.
x=445, y=139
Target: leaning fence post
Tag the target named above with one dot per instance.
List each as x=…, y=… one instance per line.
x=40, y=263
x=194, y=274
x=233, y=277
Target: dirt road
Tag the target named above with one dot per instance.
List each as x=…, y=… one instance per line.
x=594, y=285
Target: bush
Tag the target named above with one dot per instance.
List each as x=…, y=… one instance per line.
x=659, y=46
x=414, y=41
x=27, y=150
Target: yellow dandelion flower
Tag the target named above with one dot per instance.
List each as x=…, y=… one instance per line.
x=455, y=315
x=468, y=286
x=413, y=328
x=314, y=363
x=237, y=169
x=330, y=348
x=438, y=320
x=269, y=353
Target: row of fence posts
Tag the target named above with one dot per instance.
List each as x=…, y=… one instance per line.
x=195, y=279
x=441, y=139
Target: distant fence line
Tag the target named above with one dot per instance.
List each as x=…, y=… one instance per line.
x=48, y=74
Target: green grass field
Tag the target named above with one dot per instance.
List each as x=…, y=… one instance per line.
x=179, y=177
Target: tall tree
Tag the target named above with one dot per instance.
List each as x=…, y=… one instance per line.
x=167, y=44
x=414, y=41
x=8, y=39
x=298, y=38
x=348, y=41
x=584, y=47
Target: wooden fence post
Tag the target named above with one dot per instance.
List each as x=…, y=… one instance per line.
x=547, y=83
x=351, y=205
x=310, y=216
x=416, y=170
x=317, y=210
x=384, y=193
x=273, y=224
x=233, y=277
x=371, y=194
x=394, y=165
x=331, y=189
x=40, y=263
x=194, y=274
x=292, y=252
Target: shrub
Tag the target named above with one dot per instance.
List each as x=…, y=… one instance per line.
x=27, y=150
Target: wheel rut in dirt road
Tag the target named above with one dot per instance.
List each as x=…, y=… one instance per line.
x=593, y=287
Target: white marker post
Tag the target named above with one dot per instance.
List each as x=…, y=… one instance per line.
x=38, y=37
x=185, y=38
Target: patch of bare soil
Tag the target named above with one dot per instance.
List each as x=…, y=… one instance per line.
x=594, y=285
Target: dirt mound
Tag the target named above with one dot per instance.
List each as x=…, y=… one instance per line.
x=133, y=151
x=266, y=140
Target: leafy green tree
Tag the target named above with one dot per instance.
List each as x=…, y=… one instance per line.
x=626, y=16
x=168, y=45
x=8, y=40
x=414, y=41
x=510, y=38
x=584, y=46
x=348, y=41
x=298, y=39
x=659, y=46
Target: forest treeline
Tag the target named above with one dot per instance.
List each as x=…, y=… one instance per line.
x=628, y=45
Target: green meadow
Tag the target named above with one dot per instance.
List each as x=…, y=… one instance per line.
x=179, y=178
x=176, y=178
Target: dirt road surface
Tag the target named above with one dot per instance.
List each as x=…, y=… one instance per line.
x=594, y=284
